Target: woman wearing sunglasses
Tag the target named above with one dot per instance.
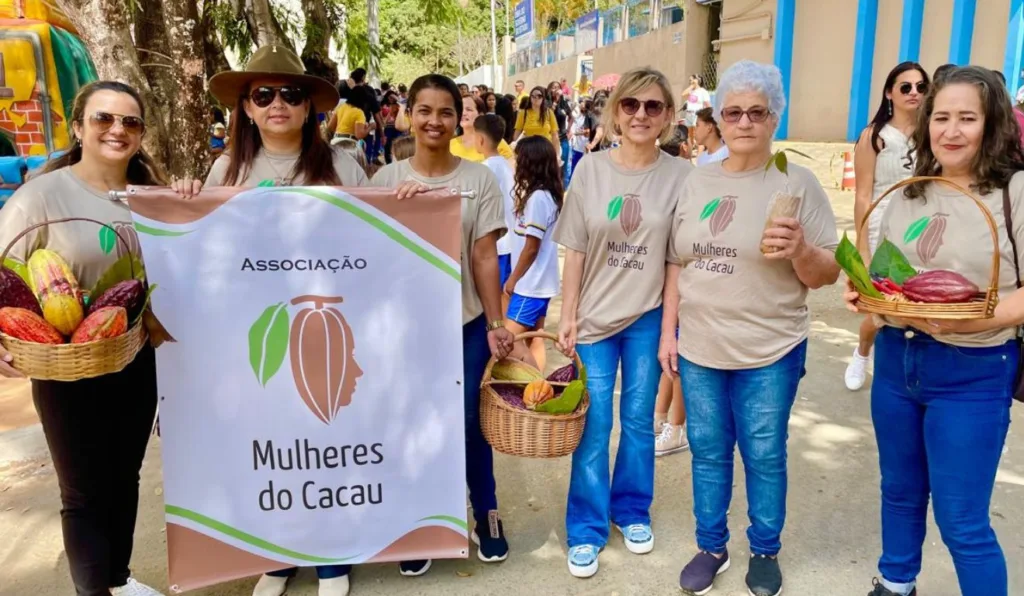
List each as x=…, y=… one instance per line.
x=277, y=142
x=537, y=118
x=882, y=158
x=743, y=322
x=615, y=228
x=96, y=429
x=942, y=390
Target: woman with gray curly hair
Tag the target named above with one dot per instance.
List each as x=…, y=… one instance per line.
x=739, y=297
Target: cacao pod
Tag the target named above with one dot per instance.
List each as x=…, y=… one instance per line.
x=127, y=294
x=26, y=325
x=57, y=289
x=511, y=369
x=939, y=286
x=510, y=394
x=15, y=292
x=931, y=238
x=322, y=351
x=103, y=323
x=563, y=375
x=631, y=215
x=537, y=392
x=723, y=215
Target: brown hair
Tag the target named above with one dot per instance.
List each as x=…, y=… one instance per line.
x=536, y=169
x=315, y=163
x=1000, y=155
x=634, y=82
x=142, y=169
x=707, y=116
x=403, y=148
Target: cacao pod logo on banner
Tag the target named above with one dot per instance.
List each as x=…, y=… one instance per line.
x=720, y=210
x=322, y=351
x=928, y=232
x=628, y=210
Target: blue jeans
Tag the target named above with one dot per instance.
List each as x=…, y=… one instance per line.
x=322, y=571
x=576, y=157
x=479, y=456
x=594, y=498
x=566, y=161
x=941, y=414
x=749, y=407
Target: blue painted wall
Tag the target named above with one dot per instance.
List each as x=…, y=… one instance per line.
x=785, y=17
x=910, y=31
x=863, y=65
x=963, y=32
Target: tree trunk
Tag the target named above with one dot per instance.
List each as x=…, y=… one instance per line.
x=319, y=30
x=190, y=154
x=373, y=29
x=262, y=24
x=152, y=47
x=213, y=49
x=106, y=30
x=342, y=47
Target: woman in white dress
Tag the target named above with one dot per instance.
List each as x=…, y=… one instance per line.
x=881, y=159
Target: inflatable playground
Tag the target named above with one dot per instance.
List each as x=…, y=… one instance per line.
x=43, y=63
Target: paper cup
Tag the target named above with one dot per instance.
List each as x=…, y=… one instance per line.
x=780, y=205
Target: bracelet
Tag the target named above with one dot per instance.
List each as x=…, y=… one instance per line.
x=493, y=325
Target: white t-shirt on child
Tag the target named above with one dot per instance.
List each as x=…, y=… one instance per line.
x=506, y=181
x=538, y=220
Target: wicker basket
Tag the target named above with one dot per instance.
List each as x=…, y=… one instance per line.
x=523, y=433
x=982, y=306
x=73, y=362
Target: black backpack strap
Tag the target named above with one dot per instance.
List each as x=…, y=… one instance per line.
x=1008, y=217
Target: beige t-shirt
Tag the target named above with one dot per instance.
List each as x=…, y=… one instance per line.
x=278, y=168
x=480, y=216
x=738, y=309
x=90, y=249
x=946, y=230
x=621, y=220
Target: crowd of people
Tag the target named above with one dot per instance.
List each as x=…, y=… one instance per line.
x=672, y=281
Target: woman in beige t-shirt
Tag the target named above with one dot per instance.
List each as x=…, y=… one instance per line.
x=743, y=321
x=96, y=429
x=942, y=390
x=435, y=108
x=615, y=226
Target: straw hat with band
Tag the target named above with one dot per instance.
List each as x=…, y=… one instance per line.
x=273, y=61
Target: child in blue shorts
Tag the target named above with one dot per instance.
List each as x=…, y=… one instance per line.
x=534, y=281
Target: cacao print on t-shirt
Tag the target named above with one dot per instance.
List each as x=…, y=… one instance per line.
x=721, y=211
x=928, y=232
x=629, y=211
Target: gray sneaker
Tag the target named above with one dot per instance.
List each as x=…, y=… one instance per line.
x=764, y=577
x=698, y=577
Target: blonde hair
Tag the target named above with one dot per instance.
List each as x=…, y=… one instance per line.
x=351, y=146
x=633, y=82
x=403, y=148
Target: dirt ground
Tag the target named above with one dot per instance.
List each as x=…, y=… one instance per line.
x=830, y=546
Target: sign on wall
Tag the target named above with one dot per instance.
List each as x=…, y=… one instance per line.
x=524, y=26
x=586, y=32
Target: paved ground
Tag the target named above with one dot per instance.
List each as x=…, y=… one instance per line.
x=831, y=541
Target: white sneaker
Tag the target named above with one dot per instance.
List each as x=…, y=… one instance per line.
x=134, y=588
x=659, y=423
x=671, y=440
x=857, y=371
x=270, y=586
x=336, y=586
x=638, y=538
x=583, y=560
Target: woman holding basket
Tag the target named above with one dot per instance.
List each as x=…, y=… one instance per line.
x=96, y=429
x=615, y=227
x=942, y=389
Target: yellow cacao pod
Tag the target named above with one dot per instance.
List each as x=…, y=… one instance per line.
x=63, y=312
x=57, y=289
x=515, y=370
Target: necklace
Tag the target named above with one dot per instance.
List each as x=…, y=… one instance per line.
x=280, y=179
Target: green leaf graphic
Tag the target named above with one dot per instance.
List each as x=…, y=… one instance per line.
x=144, y=229
x=710, y=208
x=615, y=207
x=890, y=263
x=19, y=268
x=850, y=260
x=118, y=272
x=268, y=342
x=265, y=183
x=916, y=229
x=108, y=239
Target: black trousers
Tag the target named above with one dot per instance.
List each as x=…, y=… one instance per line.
x=97, y=431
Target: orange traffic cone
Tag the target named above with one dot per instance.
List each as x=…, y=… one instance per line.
x=849, y=179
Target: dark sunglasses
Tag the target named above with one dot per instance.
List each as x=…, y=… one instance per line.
x=922, y=88
x=652, y=107
x=756, y=114
x=264, y=96
x=535, y=96
x=104, y=121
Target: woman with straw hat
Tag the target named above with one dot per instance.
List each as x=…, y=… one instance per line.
x=276, y=142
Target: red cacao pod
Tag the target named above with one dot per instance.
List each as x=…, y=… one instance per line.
x=632, y=214
x=103, y=323
x=939, y=286
x=322, y=351
x=15, y=292
x=563, y=375
x=127, y=294
x=26, y=325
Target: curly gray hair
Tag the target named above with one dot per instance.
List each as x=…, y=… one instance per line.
x=747, y=75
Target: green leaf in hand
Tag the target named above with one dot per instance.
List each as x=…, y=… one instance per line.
x=890, y=263
x=118, y=272
x=851, y=262
x=268, y=342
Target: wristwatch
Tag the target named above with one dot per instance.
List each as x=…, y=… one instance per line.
x=495, y=325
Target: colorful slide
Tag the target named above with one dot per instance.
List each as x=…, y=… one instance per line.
x=43, y=63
